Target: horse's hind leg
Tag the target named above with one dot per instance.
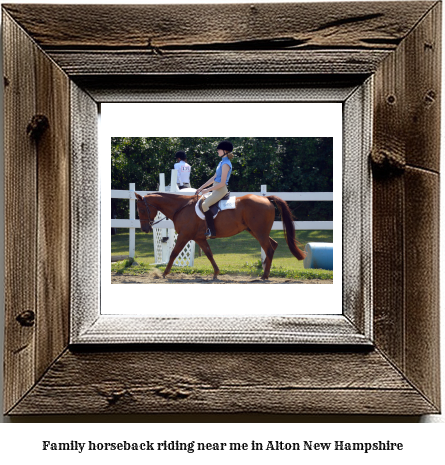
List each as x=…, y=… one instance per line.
x=206, y=248
x=274, y=246
x=269, y=246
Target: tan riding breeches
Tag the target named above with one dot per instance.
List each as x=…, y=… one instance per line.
x=214, y=197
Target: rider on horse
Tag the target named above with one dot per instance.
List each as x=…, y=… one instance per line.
x=219, y=188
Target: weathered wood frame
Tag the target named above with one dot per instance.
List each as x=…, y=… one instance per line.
x=90, y=323
x=70, y=59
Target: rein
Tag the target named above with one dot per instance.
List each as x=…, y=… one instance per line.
x=180, y=208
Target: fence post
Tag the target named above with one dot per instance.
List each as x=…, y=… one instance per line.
x=132, y=231
x=161, y=182
x=164, y=244
x=174, y=182
x=263, y=193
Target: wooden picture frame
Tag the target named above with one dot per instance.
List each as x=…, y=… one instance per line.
x=59, y=68
x=252, y=317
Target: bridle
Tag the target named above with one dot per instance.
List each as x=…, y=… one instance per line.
x=151, y=222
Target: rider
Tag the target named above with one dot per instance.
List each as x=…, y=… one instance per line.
x=220, y=181
x=183, y=169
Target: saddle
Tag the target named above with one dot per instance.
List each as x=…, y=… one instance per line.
x=216, y=207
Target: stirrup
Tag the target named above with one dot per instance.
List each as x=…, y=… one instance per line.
x=209, y=234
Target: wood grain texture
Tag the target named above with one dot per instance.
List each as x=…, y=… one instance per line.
x=94, y=328
x=406, y=208
x=422, y=281
x=388, y=268
x=130, y=63
x=37, y=160
x=223, y=382
x=274, y=26
x=421, y=208
x=407, y=113
x=20, y=213
x=389, y=143
x=357, y=209
x=423, y=92
x=53, y=207
x=208, y=39
x=399, y=42
x=85, y=205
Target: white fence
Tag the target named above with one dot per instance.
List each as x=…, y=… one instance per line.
x=132, y=223
x=164, y=239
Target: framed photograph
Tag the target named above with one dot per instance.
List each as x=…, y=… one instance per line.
x=371, y=348
x=247, y=314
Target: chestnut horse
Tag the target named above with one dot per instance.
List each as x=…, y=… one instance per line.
x=253, y=213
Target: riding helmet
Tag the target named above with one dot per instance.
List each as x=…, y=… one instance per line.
x=181, y=155
x=225, y=145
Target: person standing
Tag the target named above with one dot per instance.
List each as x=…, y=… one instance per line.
x=220, y=181
x=183, y=169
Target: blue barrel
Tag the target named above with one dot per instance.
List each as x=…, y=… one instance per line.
x=319, y=255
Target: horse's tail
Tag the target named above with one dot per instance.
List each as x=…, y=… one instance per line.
x=288, y=226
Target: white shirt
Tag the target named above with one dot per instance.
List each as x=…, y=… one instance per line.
x=183, y=170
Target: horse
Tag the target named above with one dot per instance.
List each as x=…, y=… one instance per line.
x=252, y=213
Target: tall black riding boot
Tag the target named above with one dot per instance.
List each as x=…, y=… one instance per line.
x=210, y=233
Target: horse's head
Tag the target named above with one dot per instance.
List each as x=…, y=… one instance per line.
x=146, y=211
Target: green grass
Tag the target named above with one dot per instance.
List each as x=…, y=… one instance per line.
x=240, y=254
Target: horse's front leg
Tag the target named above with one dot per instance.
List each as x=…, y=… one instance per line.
x=181, y=241
x=206, y=248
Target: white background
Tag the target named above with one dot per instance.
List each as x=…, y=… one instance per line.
x=21, y=442
x=205, y=120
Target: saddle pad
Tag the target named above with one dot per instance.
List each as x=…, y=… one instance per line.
x=228, y=204
x=222, y=205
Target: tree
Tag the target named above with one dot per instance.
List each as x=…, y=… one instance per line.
x=286, y=164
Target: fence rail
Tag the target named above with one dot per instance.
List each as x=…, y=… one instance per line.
x=132, y=223
x=287, y=196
